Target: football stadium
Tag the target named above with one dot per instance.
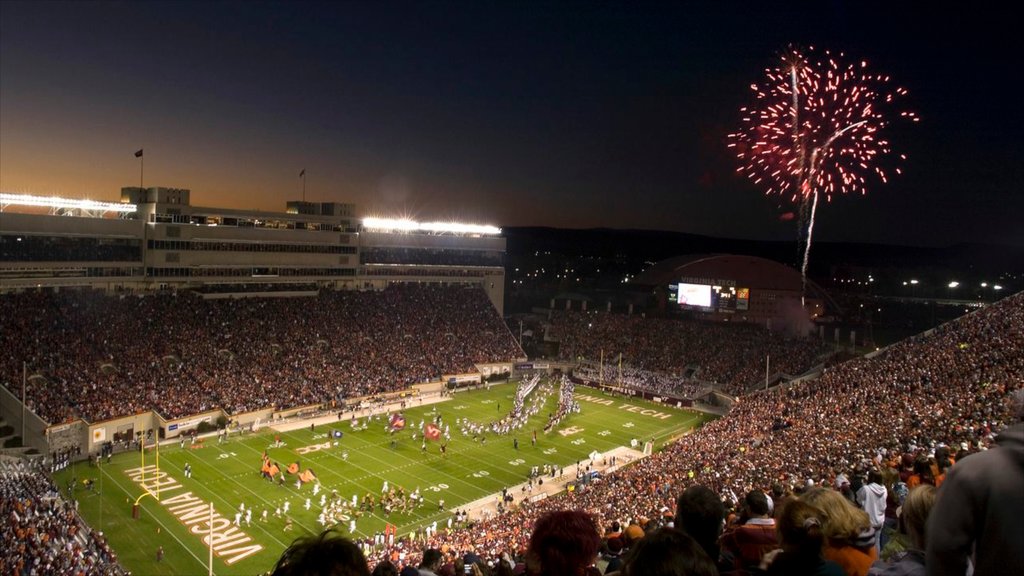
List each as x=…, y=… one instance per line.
x=200, y=418
x=510, y=289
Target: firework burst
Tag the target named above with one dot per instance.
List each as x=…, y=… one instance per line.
x=817, y=128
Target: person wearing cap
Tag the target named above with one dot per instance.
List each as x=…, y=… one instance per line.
x=978, y=511
x=632, y=534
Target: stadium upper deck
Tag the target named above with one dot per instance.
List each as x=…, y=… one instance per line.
x=156, y=239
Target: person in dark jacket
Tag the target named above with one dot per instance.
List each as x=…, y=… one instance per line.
x=980, y=507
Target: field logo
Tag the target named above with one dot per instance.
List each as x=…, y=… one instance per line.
x=624, y=406
x=313, y=448
x=229, y=543
x=571, y=430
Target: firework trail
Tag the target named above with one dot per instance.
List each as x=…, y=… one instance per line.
x=816, y=128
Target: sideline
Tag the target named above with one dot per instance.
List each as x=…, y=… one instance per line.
x=487, y=507
x=332, y=418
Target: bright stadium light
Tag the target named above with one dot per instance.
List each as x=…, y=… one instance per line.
x=997, y=287
x=406, y=225
x=57, y=202
x=954, y=284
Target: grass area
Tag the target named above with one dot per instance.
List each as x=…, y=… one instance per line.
x=229, y=474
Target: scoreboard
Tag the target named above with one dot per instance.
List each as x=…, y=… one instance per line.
x=709, y=295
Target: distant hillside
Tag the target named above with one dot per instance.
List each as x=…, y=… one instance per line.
x=637, y=246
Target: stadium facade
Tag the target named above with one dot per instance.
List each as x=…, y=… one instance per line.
x=154, y=238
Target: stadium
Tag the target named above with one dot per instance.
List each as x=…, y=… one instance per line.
x=186, y=390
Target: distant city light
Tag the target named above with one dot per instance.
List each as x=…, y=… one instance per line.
x=406, y=225
x=7, y=199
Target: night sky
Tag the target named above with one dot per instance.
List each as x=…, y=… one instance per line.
x=558, y=114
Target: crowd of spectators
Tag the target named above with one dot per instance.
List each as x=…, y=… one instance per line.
x=910, y=410
x=643, y=380
x=95, y=356
x=940, y=393
x=730, y=355
x=41, y=533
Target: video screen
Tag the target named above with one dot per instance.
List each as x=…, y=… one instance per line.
x=697, y=295
x=709, y=297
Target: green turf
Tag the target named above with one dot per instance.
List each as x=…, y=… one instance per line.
x=228, y=475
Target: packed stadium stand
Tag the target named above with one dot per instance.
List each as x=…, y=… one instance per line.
x=40, y=532
x=729, y=355
x=941, y=392
x=95, y=356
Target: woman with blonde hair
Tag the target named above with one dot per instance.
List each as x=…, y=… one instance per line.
x=913, y=519
x=849, y=539
x=799, y=526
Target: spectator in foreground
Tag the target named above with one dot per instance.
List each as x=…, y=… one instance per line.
x=431, y=562
x=614, y=555
x=980, y=507
x=849, y=540
x=700, y=513
x=668, y=552
x=563, y=543
x=872, y=498
x=800, y=528
x=744, y=545
x=384, y=568
x=913, y=520
x=328, y=554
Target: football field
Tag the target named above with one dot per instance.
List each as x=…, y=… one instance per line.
x=359, y=463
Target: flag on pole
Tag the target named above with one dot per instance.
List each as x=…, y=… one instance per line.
x=431, y=431
x=139, y=153
x=301, y=174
